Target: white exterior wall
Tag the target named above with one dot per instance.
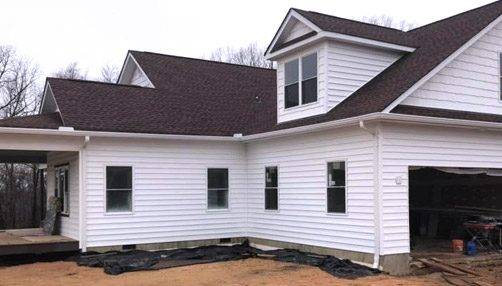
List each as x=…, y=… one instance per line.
x=468, y=83
x=295, y=29
x=342, y=69
x=70, y=223
x=314, y=108
x=169, y=191
x=302, y=216
x=414, y=145
x=351, y=66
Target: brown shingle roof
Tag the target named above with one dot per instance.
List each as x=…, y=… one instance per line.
x=201, y=97
x=446, y=113
x=40, y=121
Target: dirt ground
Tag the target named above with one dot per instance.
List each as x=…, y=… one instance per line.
x=242, y=272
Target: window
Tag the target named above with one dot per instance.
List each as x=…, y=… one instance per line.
x=63, y=188
x=336, y=190
x=118, y=189
x=217, y=188
x=298, y=92
x=271, y=188
x=291, y=92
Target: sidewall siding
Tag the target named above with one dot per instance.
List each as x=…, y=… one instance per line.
x=169, y=191
x=427, y=146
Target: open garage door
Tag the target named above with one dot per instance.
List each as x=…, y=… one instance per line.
x=451, y=203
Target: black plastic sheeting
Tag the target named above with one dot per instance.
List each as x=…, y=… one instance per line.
x=115, y=262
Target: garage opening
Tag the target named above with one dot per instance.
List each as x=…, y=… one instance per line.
x=461, y=204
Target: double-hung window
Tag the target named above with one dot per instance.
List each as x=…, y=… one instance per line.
x=336, y=189
x=63, y=188
x=271, y=188
x=217, y=188
x=300, y=81
x=118, y=189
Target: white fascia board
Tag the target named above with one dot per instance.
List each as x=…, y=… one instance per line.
x=341, y=38
x=292, y=13
x=443, y=64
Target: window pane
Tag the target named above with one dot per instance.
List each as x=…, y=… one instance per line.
x=291, y=72
x=217, y=199
x=217, y=178
x=336, y=200
x=309, y=90
x=271, y=200
x=271, y=177
x=336, y=174
x=119, y=201
x=291, y=96
x=118, y=177
x=309, y=66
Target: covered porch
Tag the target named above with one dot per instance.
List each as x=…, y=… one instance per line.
x=55, y=161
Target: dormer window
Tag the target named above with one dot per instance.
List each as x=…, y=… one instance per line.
x=302, y=92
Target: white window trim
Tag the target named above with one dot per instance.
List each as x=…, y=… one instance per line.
x=126, y=213
x=227, y=209
x=57, y=169
x=278, y=188
x=300, y=79
x=346, y=213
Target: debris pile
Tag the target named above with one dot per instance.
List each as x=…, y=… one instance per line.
x=452, y=273
x=116, y=262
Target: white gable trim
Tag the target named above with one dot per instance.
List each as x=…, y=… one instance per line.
x=129, y=65
x=291, y=13
x=443, y=64
x=48, y=92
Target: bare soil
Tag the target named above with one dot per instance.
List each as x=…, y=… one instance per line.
x=242, y=272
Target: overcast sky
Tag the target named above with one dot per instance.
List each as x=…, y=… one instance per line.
x=97, y=32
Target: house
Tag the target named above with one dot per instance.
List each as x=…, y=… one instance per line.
x=318, y=155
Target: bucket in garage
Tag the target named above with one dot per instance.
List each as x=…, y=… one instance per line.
x=458, y=245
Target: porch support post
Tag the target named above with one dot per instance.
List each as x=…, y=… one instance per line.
x=82, y=195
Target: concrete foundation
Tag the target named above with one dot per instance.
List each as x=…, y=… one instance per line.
x=396, y=264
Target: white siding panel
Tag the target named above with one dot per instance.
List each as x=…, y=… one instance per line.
x=139, y=78
x=170, y=191
x=293, y=30
x=302, y=216
x=405, y=146
x=70, y=224
x=470, y=82
x=351, y=66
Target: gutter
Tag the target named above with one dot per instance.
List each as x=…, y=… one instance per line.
x=352, y=121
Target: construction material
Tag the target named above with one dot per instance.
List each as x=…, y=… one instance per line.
x=455, y=274
x=442, y=267
x=115, y=262
x=458, y=267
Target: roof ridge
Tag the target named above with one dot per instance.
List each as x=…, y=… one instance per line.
x=96, y=82
x=351, y=20
x=203, y=60
x=452, y=16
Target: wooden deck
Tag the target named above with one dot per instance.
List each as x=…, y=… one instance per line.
x=34, y=241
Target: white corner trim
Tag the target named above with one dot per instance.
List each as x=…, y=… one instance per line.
x=291, y=13
x=443, y=64
x=130, y=57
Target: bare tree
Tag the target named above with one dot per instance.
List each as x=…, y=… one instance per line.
x=110, y=73
x=387, y=21
x=251, y=55
x=19, y=93
x=71, y=71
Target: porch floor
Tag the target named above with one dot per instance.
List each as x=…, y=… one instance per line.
x=34, y=241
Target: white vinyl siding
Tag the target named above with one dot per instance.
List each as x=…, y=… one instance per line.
x=139, y=78
x=69, y=224
x=302, y=162
x=295, y=29
x=471, y=82
x=314, y=108
x=350, y=67
x=170, y=191
x=404, y=146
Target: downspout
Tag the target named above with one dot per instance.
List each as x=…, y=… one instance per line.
x=82, y=195
x=376, y=182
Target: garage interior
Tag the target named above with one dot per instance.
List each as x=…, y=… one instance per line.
x=454, y=204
